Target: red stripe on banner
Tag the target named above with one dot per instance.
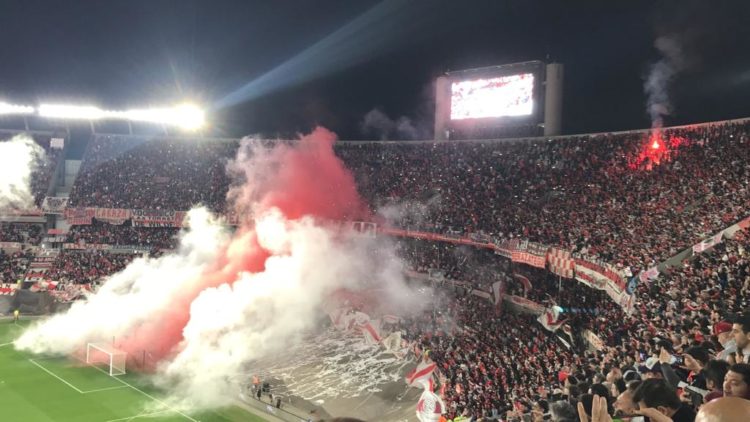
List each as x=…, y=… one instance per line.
x=370, y=329
x=415, y=375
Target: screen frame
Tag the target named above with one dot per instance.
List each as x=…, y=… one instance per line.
x=536, y=68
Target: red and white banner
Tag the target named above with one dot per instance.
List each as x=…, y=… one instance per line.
x=79, y=216
x=534, y=254
x=430, y=407
x=607, y=278
x=157, y=218
x=10, y=246
x=561, y=262
x=422, y=374
x=708, y=243
x=370, y=332
x=648, y=275
x=115, y=216
x=550, y=319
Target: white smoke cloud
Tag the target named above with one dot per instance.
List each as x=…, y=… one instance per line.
x=659, y=77
x=267, y=312
x=133, y=296
x=251, y=315
x=18, y=158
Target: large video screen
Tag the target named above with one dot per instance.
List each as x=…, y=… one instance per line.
x=502, y=96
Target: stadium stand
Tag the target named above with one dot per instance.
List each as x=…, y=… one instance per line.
x=131, y=172
x=609, y=197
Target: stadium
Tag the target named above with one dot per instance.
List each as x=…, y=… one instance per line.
x=156, y=265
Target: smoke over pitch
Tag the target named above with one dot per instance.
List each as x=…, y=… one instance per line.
x=18, y=159
x=221, y=299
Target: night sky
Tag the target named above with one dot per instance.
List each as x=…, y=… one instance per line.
x=119, y=54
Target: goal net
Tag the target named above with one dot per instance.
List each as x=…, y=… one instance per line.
x=106, y=355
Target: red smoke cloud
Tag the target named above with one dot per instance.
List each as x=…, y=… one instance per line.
x=302, y=179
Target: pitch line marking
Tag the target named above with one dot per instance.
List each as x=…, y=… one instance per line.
x=142, y=415
x=148, y=395
x=103, y=389
x=51, y=373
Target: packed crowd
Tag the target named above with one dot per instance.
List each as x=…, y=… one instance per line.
x=128, y=172
x=488, y=359
x=13, y=265
x=612, y=197
x=21, y=233
x=481, y=267
x=124, y=234
x=690, y=337
x=603, y=196
x=86, y=267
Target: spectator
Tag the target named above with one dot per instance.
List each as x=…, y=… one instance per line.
x=715, y=372
x=741, y=334
x=737, y=381
x=656, y=399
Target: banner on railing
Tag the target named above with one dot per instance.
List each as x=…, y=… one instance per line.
x=708, y=243
x=86, y=246
x=116, y=216
x=534, y=254
x=157, y=218
x=561, y=262
x=10, y=245
x=55, y=204
x=607, y=278
x=505, y=247
x=79, y=216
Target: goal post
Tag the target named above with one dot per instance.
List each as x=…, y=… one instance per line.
x=105, y=354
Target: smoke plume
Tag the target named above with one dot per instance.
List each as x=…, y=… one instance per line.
x=376, y=123
x=224, y=299
x=659, y=77
x=18, y=159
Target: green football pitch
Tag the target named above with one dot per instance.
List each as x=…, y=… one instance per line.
x=44, y=388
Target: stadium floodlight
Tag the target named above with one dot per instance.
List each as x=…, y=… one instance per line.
x=6, y=108
x=60, y=111
x=185, y=116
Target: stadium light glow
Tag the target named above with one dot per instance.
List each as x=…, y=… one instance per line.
x=6, y=108
x=185, y=116
x=59, y=111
